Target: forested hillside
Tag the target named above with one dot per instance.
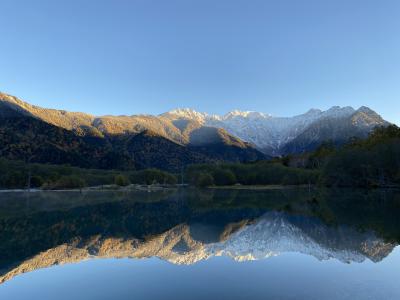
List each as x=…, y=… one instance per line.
x=370, y=162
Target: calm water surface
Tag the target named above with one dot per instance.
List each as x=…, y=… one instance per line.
x=192, y=244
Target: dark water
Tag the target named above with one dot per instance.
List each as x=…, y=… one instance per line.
x=191, y=244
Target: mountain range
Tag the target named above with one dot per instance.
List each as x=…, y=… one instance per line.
x=285, y=135
x=170, y=140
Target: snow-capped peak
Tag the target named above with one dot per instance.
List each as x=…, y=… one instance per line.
x=187, y=113
x=365, y=109
x=337, y=111
x=313, y=111
x=245, y=114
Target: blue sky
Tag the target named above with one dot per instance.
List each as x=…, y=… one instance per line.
x=127, y=57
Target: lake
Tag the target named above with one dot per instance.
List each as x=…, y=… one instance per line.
x=200, y=244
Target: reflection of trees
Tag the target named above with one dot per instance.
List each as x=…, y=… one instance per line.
x=364, y=209
x=46, y=220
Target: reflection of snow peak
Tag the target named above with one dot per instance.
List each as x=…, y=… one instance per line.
x=272, y=234
x=275, y=233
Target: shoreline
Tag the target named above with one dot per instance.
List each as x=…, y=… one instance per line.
x=105, y=188
x=260, y=187
x=155, y=188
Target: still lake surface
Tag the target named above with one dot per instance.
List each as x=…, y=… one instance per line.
x=200, y=244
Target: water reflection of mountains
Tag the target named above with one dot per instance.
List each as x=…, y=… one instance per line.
x=185, y=226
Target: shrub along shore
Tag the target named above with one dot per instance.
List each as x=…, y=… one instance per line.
x=18, y=175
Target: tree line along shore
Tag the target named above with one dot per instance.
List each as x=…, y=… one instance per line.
x=368, y=163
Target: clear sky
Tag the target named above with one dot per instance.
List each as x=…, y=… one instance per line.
x=126, y=57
